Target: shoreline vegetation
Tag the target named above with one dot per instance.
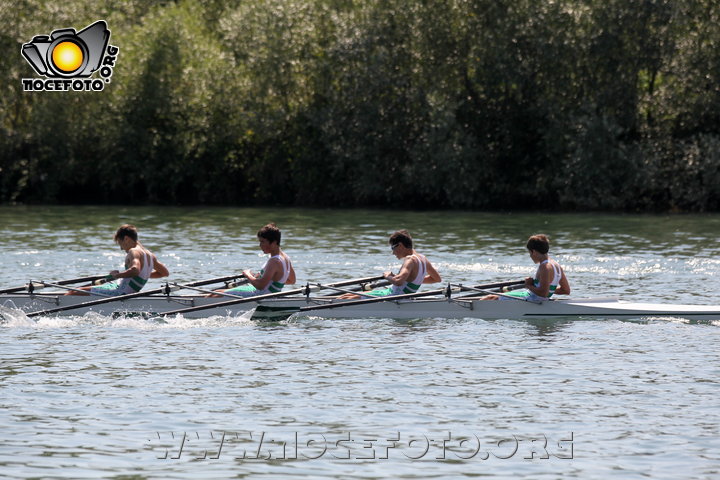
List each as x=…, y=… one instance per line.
x=486, y=104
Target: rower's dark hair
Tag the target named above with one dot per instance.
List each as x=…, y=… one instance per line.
x=126, y=230
x=539, y=243
x=401, y=236
x=270, y=232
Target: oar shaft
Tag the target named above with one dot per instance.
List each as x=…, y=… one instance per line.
x=515, y=284
x=392, y=298
x=226, y=303
x=205, y=290
x=120, y=298
x=60, y=282
x=488, y=292
x=256, y=298
x=78, y=290
x=345, y=290
x=366, y=287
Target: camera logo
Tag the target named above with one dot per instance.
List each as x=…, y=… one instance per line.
x=68, y=58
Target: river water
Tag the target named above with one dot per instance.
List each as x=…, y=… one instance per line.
x=100, y=397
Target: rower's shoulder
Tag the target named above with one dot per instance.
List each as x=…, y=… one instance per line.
x=277, y=259
x=420, y=257
x=141, y=250
x=552, y=266
x=412, y=261
x=412, y=258
x=555, y=262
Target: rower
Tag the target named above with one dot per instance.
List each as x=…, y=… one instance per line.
x=274, y=275
x=415, y=271
x=550, y=278
x=140, y=265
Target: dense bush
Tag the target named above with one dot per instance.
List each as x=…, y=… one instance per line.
x=572, y=105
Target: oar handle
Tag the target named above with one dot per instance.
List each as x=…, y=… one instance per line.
x=366, y=287
x=102, y=281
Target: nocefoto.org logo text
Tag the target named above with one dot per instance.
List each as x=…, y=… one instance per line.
x=68, y=59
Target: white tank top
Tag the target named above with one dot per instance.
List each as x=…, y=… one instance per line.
x=136, y=283
x=276, y=286
x=413, y=285
x=557, y=276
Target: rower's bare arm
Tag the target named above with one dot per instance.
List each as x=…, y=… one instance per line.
x=249, y=275
x=564, y=287
x=432, y=275
x=402, y=275
x=261, y=282
x=133, y=263
x=542, y=290
x=291, y=276
x=159, y=269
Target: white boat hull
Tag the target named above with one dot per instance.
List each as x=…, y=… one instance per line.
x=588, y=308
x=399, y=309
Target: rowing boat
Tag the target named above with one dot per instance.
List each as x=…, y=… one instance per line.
x=331, y=307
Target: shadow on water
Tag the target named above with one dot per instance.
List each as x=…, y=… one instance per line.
x=548, y=327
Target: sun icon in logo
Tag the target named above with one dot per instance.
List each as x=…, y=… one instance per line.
x=67, y=56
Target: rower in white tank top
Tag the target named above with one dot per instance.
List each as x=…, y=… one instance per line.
x=273, y=287
x=140, y=265
x=414, y=285
x=402, y=283
x=550, y=278
x=129, y=285
x=267, y=280
x=527, y=294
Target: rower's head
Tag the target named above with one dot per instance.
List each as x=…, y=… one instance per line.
x=538, y=246
x=269, y=235
x=401, y=243
x=126, y=236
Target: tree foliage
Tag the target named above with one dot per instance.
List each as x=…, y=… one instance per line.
x=568, y=104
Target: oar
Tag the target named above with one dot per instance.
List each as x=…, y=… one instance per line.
x=255, y=298
x=365, y=287
x=178, y=286
x=72, y=289
x=345, y=290
x=488, y=292
x=30, y=286
x=393, y=298
x=514, y=285
x=120, y=298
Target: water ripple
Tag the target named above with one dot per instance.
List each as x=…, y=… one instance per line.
x=98, y=397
